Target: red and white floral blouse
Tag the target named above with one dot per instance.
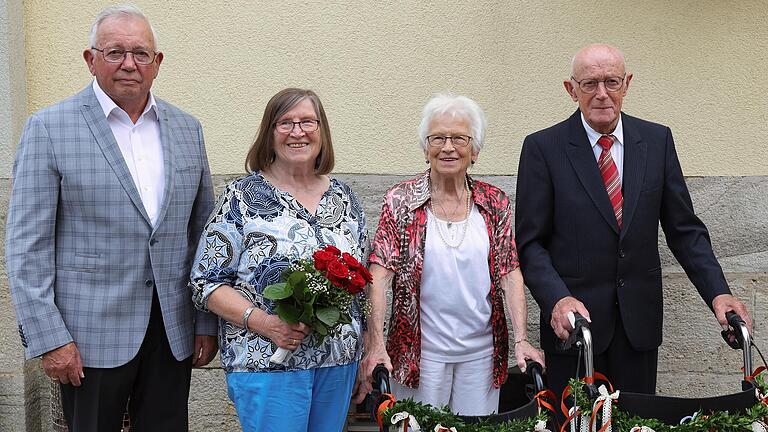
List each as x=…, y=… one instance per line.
x=399, y=246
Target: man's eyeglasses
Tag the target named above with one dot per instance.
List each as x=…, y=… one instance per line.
x=457, y=140
x=286, y=126
x=117, y=55
x=612, y=84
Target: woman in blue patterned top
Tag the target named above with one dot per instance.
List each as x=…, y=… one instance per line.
x=286, y=208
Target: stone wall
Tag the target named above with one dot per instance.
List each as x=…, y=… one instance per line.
x=693, y=361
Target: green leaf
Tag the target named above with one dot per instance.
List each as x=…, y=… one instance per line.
x=296, y=278
x=278, y=291
x=345, y=319
x=320, y=328
x=306, y=316
x=299, y=293
x=328, y=315
x=288, y=313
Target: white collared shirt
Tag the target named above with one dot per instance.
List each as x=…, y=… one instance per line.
x=141, y=148
x=617, y=149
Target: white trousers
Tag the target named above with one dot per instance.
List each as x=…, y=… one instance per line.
x=465, y=387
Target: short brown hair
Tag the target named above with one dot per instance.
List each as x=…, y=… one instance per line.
x=262, y=152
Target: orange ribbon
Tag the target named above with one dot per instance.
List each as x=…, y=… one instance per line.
x=388, y=401
x=568, y=391
x=543, y=399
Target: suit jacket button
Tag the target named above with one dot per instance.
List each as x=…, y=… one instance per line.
x=149, y=283
x=621, y=283
x=621, y=253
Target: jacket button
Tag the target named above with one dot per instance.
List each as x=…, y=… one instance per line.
x=149, y=283
x=621, y=283
x=621, y=253
x=153, y=242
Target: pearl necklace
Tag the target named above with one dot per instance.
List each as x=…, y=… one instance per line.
x=464, y=227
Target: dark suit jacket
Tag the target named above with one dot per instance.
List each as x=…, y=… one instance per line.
x=570, y=244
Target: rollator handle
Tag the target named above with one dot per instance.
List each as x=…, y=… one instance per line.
x=380, y=377
x=535, y=370
x=577, y=323
x=733, y=336
x=738, y=337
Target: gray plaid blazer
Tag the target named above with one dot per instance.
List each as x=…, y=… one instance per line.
x=82, y=255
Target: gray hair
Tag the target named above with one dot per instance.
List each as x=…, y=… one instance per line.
x=456, y=106
x=125, y=10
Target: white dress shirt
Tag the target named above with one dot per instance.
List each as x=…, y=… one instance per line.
x=141, y=148
x=617, y=149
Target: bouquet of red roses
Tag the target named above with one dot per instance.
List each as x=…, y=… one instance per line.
x=318, y=292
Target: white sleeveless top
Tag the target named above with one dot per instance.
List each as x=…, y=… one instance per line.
x=455, y=292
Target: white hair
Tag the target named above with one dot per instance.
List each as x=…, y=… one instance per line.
x=456, y=106
x=125, y=10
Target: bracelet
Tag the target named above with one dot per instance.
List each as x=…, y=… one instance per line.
x=247, y=314
x=521, y=340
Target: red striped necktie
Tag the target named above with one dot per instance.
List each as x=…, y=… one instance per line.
x=610, y=175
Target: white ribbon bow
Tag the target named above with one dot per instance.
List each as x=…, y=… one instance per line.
x=641, y=429
x=608, y=399
x=541, y=426
x=441, y=428
x=579, y=421
x=759, y=426
x=413, y=425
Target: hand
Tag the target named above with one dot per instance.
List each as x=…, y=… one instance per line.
x=559, y=321
x=525, y=351
x=284, y=335
x=64, y=365
x=375, y=353
x=205, y=350
x=726, y=303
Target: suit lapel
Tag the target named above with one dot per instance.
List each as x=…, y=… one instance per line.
x=94, y=118
x=583, y=161
x=635, y=155
x=168, y=144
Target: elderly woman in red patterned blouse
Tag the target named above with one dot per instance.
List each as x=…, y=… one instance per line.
x=445, y=245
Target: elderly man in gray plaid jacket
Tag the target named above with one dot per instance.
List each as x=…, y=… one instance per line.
x=111, y=189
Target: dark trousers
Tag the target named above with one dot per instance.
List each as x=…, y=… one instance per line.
x=627, y=369
x=154, y=386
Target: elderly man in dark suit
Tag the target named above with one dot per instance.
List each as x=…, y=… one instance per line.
x=111, y=190
x=591, y=192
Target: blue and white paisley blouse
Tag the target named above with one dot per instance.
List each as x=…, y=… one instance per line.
x=254, y=233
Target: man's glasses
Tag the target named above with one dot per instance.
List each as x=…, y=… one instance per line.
x=117, y=55
x=612, y=84
x=286, y=126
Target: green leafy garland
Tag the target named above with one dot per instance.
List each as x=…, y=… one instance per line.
x=715, y=422
x=429, y=417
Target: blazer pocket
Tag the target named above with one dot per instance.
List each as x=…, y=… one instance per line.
x=90, y=262
x=184, y=168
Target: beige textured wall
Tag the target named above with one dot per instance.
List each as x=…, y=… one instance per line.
x=699, y=67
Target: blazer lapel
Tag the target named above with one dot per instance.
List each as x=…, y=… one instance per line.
x=166, y=139
x=583, y=161
x=94, y=118
x=635, y=155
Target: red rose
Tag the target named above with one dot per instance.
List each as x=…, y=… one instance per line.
x=333, y=250
x=356, y=267
x=322, y=258
x=337, y=273
x=356, y=284
x=366, y=275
